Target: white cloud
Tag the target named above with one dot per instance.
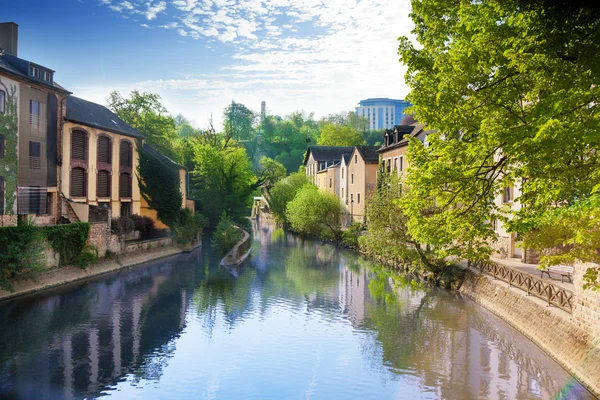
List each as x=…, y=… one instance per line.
x=349, y=54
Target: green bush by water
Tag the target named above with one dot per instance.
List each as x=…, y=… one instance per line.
x=226, y=235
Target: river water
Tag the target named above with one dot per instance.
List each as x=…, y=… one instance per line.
x=300, y=320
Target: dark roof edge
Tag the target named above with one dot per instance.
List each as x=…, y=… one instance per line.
x=19, y=77
x=138, y=136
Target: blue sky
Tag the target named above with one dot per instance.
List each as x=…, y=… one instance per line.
x=320, y=56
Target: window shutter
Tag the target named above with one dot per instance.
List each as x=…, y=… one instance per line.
x=125, y=185
x=125, y=156
x=35, y=152
x=1, y=195
x=78, y=182
x=78, y=146
x=104, y=150
x=103, y=184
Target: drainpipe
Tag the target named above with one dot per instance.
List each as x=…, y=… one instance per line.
x=59, y=147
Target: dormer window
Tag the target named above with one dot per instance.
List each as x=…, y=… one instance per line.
x=34, y=71
x=46, y=76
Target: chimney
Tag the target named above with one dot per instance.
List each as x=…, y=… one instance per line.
x=9, y=37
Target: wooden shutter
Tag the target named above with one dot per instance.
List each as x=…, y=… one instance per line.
x=78, y=182
x=125, y=154
x=1, y=195
x=78, y=146
x=103, y=184
x=125, y=185
x=104, y=150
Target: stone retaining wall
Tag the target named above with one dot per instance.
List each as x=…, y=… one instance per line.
x=146, y=245
x=239, y=252
x=563, y=337
x=586, y=310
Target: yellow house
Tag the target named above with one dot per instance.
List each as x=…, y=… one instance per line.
x=99, y=158
x=361, y=180
x=185, y=203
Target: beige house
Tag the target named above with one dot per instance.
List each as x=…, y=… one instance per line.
x=361, y=179
x=99, y=159
x=319, y=158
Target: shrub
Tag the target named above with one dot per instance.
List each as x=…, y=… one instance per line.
x=315, y=213
x=145, y=225
x=350, y=236
x=226, y=235
x=122, y=226
x=20, y=252
x=282, y=193
x=189, y=225
x=70, y=241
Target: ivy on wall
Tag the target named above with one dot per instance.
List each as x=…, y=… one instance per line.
x=9, y=127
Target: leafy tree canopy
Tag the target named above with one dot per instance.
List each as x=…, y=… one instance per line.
x=315, y=213
x=339, y=135
x=238, y=122
x=512, y=89
x=272, y=172
x=145, y=113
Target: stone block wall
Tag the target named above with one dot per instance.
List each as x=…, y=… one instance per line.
x=586, y=311
x=146, y=245
x=100, y=237
x=8, y=220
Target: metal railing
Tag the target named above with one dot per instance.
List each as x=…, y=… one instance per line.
x=545, y=290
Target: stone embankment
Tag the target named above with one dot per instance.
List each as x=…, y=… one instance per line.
x=65, y=275
x=239, y=252
x=571, y=341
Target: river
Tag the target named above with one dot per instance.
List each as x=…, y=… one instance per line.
x=300, y=319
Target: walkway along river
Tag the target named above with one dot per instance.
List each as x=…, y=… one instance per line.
x=301, y=320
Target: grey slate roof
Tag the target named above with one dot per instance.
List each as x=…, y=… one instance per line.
x=369, y=153
x=162, y=157
x=97, y=116
x=327, y=153
x=19, y=68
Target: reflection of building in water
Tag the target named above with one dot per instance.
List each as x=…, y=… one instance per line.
x=354, y=293
x=106, y=340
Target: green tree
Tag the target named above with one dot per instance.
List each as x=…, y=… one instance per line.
x=238, y=122
x=272, y=172
x=282, y=193
x=339, y=135
x=145, y=113
x=511, y=87
x=315, y=213
x=184, y=127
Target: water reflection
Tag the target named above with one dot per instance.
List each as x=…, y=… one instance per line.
x=300, y=319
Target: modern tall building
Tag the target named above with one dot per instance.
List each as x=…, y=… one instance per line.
x=382, y=113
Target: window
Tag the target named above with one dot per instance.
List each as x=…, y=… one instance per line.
x=125, y=209
x=342, y=193
x=396, y=164
x=355, y=159
x=79, y=146
x=495, y=224
x=401, y=164
x=126, y=154
x=78, y=182
x=34, y=71
x=2, y=147
x=358, y=198
x=104, y=153
x=35, y=152
x=507, y=194
x=1, y=195
x=103, y=184
x=329, y=182
x=125, y=185
x=35, y=200
x=2, y=101
x=46, y=76
x=352, y=179
x=34, y=112
x=342, y=173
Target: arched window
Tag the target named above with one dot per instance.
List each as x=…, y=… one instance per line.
x=79, y=146
x=126, y=154
x=78, y=182
x=125, y=185
x=104, y=150
x=103, y=190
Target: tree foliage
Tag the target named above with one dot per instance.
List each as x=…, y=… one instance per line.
x=159, y=186
x=272, y=172
x=282, y=193
x=340, y=135
x=512, y=89
x=145, y=113
x=315, y=213
x=238, y=122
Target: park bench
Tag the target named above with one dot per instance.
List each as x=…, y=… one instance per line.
x=562, y=270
